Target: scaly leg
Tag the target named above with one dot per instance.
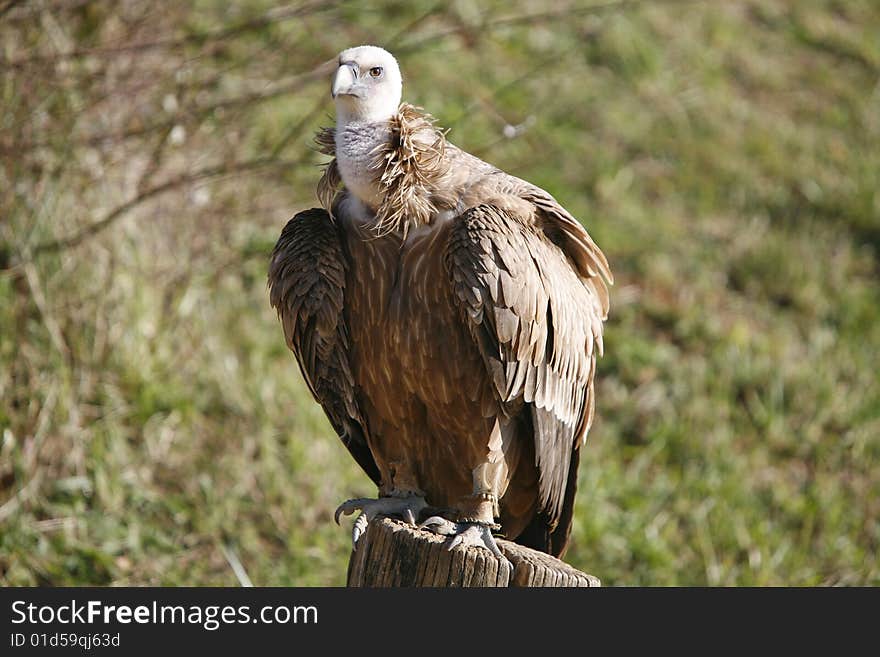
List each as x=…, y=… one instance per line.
x=476, y=513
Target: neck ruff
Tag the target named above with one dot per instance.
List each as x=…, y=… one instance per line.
x=408, y=170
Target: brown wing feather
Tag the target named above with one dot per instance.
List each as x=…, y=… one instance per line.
x=535, y=321
x=307, y=288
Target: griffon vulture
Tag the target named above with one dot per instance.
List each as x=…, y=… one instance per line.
x=447, y=316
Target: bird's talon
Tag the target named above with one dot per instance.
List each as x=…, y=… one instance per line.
x=359, y=528
x=405, y=506
x=348, y=507
x=440, y=525
x=478, y=534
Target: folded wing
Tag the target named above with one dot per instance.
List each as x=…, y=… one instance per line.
x=536, y=315
x=307, y=288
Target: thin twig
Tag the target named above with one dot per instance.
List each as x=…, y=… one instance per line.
x=51, y=324
x=13, y=504
x=409, y=27
x=235, y=563
x=28, y=11
x=9, y=5
x=298, y=128
x=169, y=185
x=291, y=85
x=276, y=15
x=536, y=17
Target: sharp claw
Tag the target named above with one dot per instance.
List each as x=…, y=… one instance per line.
x=359, y=528
x=346, y=508
x=403, y=506
x=433, y=520
x=465, y=534
x=439, y=525
x=489, y=541
x=342, y=510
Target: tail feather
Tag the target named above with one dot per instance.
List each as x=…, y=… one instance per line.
x=540, y=534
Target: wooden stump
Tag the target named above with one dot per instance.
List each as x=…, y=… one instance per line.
x=392, y=553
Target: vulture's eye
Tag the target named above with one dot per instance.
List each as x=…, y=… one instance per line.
x=376, y=72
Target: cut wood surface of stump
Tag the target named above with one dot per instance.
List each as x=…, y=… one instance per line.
x=392, y=553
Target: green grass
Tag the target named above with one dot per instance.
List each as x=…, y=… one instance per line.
x=726, y=156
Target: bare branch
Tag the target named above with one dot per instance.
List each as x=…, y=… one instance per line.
x=277, y=15
x=7, y=6
x=536, y=17
x=291, y=85
x=167, y=186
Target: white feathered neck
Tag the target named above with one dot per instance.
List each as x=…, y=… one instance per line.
x=396, y=168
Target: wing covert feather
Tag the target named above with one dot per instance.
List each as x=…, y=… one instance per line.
x=536, y=321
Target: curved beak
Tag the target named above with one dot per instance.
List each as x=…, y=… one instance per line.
x=345, y=82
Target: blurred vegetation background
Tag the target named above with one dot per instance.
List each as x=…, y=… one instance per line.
x=725, y=155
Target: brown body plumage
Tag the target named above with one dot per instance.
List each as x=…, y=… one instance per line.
x=451, y=332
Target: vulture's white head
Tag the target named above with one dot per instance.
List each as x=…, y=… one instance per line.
x=367, y=86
